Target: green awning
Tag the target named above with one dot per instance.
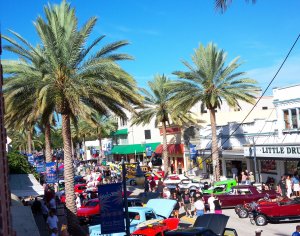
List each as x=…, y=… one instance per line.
x=133, y=148
x=121, y=132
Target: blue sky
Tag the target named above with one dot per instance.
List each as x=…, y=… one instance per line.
x=163, y=32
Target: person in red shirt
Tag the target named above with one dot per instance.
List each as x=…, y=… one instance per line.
x=152, y=185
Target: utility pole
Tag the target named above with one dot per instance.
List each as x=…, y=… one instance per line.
x=257, y=177
x=125, y=198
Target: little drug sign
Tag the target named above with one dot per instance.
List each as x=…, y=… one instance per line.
x=273, y=151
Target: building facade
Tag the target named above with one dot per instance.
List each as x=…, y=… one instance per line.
x=5, y=217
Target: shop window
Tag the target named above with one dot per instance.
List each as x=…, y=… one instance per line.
x=123, y=122
x=294, y=118
x=265, y=108
x=268, y=166
x=148, y=134
x=203, y=110
x=286, y=118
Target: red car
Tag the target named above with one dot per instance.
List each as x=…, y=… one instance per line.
x=92, y=207
x=156, y=175
x=281, y=209
x=242, y=194
x=79, y=188
x=156, y=227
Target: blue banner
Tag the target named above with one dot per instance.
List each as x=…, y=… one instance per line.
x=193, y=152
x=51, y=173
x=30, y=159
x=111, y=208
x=148, y=151
x=40, y=168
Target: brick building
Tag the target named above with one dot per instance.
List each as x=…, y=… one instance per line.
x=5, y=218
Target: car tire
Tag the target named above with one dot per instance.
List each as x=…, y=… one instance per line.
x=260, y=220
x=132, y=183
x=243, y=213
x=237, y=208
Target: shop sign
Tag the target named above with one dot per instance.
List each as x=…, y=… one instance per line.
x=170, y=130
x=273, y=151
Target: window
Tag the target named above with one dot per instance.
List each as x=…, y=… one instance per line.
x=294, y=118
x=265, y=108
x=150, y=215
x=148, y=134
x=203, y=110
x=286, y=118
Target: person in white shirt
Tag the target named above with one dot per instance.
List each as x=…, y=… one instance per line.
x=166, y=193
x=211, y=204
x=78, y=201
x=199, y=206
x=52, y=222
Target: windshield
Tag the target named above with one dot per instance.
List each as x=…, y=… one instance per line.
x=150, y=215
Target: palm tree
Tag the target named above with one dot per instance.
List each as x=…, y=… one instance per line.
x=77, y=83
x=157, y=106
x=211, y=82
x=222, y=5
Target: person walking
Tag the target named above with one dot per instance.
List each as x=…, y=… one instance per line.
x=297, y=232
x=146, y=186
x=295, y=184
x=288, y=186
x=211, y=204
x=186, y=200
x=152, y=184
x=243, y=178
x=199, y=206
x=218, y=208
x=177, y=206
x=160, y=188
x=52, y=223
x=282, y=186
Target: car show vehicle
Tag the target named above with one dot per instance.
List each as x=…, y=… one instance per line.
x=220, y=187
x=190, y=184
x=205, y=225
x=277, y=210
x=79, y=188
x=242, y=194
x=174, y=179
x=155, y=209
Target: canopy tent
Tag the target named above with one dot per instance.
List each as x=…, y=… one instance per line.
x=133, y=148
x=172, y=149
x=23, y=185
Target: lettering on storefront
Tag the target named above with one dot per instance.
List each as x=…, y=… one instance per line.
x=273, y=151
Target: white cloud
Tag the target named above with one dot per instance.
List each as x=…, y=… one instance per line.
x=288, y=75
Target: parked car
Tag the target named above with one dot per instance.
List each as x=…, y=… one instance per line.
x=191, y=184
x=206, y=225
x=173, y=180
x=92, y=207
x=220, y=187
x=242, y=194
x=156, y=209
x=276, y=211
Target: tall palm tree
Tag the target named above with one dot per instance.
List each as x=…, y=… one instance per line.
x=76, y=82
x=211, y=82
x=222, y=5
x=157, y=106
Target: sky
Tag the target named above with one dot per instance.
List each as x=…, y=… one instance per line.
x=162, y=33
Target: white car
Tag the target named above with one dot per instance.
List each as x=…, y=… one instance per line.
x=174, y=179
x=190, y=184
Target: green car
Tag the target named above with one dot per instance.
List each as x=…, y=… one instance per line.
x=221, y=187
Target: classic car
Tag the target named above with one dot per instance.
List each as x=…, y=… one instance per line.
x=156, y=175
x=191, y=184
x=79, y=188
x=92, y=207
x=174, y=179
x=242, y=194
x=156, y=227
x=276, y=211
x=221, y=187
x=243, y=210
x=156, y=209
x=206, y=225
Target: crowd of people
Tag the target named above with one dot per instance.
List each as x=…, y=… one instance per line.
x=288, y=186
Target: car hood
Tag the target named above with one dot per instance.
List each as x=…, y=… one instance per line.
x=85, y=210
x=215, y=222
x=162, y=207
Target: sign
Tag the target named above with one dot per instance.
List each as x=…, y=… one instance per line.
x=193, y=152
x=111, y=208
x=51, y=174
x=273, y=151
x=148, y=151
x=171, y=130
x=30, y=159
x=40, y=168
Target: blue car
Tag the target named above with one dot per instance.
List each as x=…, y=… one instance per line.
x=155, y=209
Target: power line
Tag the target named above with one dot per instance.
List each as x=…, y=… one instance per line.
x=272, y=80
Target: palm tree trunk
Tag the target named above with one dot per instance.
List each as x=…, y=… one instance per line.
x=165, y=149
x=29, y=142
x=72, y=149
x=48, y=143
x=214, y=145
x=78, y=150
x=100, y=146
x=69, y=173
x=84, y=149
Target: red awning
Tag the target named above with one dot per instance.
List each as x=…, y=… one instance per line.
x=172, y=149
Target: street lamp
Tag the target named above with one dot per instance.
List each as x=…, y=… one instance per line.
x=125, y=198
